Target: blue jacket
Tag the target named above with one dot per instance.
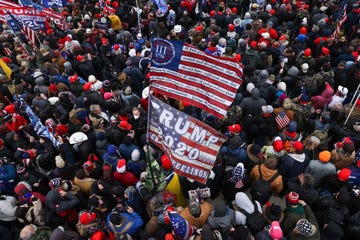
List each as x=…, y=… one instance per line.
x=354, y=178
x=293, y=165
x=7, y=172
x=110, y=160
x=135, y=218
x=240, y=153
x=126, y=150
x=7, y=176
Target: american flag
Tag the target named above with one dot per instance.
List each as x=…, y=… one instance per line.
x=282, y=120
x=29, y=33
x=183, y=72
x=190, y=144
x=341, y=19
x=182, y=228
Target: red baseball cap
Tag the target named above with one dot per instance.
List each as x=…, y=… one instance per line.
x=235, y=128
x=125, y=125
x=80, y=58
x=307, y=52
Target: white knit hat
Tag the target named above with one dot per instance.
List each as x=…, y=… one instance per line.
x=281, y=86
x=250, y=87
x=92, y=78
x=132, y=52
x=135, y=155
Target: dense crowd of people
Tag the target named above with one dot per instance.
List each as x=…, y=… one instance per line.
x=293, y=129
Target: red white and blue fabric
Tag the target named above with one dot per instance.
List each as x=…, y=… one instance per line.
x=191, y=145
x=183, y=72
x=58, y=19
x=181, y=227
x=238, y=175
x=282, y=120
x=341, y=19
x=16, y=25
x=28, y=15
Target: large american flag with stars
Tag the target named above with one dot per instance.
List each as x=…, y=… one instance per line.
x=191, y=144
x=183, y=72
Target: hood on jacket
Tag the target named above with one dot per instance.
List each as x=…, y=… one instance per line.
x=299, y=157
x=52, y=198
x=255, y=93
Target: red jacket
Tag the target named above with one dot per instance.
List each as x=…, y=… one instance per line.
x=127, y=178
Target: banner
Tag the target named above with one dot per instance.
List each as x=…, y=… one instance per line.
x=35, y=22
x=190, y=144
x=183, y=72
x=54, y=17
x=29, y=33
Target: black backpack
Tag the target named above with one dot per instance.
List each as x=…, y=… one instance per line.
x=144, y=193
x=254, y=221
x=261, y=190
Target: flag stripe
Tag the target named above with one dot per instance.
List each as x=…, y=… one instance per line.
x=173, y=93
x=161, y=77
x=232, y=68
x=190, y=82
x=210, y=96
x=198, y=70
x=201, y=148
x=30, y=35
x=183, y=72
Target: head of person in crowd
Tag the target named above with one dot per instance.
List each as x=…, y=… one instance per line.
x=292, y=199
x=305, y=228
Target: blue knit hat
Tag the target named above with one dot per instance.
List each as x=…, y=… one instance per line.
x=292, y=126
x=111, y=150
x=301, y=38
x=100, y=136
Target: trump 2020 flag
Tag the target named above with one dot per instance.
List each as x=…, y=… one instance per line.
x=182, y=228
x=183, y=72
x=191, y=144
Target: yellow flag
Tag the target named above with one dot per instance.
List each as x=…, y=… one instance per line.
x=5, y=69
